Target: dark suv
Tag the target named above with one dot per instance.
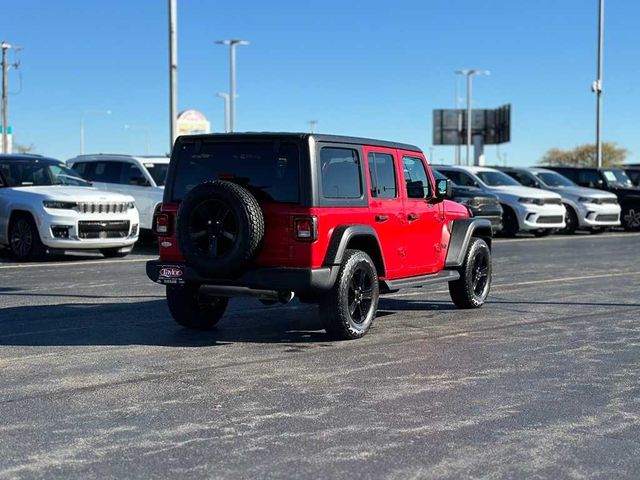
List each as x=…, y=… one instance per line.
x=479, y=203
x=614, y=180
x=333, y=220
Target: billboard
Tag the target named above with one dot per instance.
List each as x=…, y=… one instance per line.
x=192, y=122
x=450, y=125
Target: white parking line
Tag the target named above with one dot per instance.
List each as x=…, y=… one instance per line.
x=75, y=263
x=531, y=282
x=567, y=237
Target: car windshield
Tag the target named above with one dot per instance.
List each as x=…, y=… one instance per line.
x=553, y=179
x=158, y=172
x=268, y=169
x=617, y=176
x=38, y=173
x=496, y=179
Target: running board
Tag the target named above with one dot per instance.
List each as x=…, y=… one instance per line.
x=411, y=282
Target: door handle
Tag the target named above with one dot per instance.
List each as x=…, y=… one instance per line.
x=382, y=218
x=413, y=216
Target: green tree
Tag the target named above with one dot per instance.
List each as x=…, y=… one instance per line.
x=585, y=156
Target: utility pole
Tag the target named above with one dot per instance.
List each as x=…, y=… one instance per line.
x=312, y=125
x=225, y=97
x=5, y=127
x=469, y=74
x=597, y=85
x=173, y=71
x=459, y=117
x=232, y=78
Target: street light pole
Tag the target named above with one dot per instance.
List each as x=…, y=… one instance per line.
x=173, y=72
x=458, y=116
x=469, y=74
x=84, y=114
x=225, y=97
x=597, y=85
x=312, y=125
x=232, y=78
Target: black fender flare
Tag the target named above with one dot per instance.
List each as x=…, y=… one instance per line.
x=462, y=231
x=341, y=237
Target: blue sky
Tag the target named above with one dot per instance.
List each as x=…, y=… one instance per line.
x=374, y=68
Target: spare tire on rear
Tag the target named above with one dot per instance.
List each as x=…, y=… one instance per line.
x=220, y=227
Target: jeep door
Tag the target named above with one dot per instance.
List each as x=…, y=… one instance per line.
x=386, y=208
x=425, y=220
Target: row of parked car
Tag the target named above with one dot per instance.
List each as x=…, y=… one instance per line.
x=46, y=207
x=546, y=200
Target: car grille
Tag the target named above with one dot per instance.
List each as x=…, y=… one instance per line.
x=117, y=207
x=107, y=229
x=607, y=218
x=608, y=201
x=550, y=219
x=552, y=201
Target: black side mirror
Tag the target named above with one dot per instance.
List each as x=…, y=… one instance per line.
x=443, y=189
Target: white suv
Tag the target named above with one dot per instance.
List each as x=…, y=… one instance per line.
x=525, y=209
x=46, y=207
x=587, y=208
x=141, y=177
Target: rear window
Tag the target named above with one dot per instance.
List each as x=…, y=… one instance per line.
x=158, y=172
x=269, y=170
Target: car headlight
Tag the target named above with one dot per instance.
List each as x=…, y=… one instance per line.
x=59, y=205
x=131, y=205
x=531, y=201
x=588, y=200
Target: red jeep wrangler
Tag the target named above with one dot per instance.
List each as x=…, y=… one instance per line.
x=334, y=220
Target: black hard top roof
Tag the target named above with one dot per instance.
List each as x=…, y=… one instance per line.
x=26, y=157
x=300, y=136
x=571, y=167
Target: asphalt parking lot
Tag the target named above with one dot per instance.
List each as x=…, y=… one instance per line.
x=544, y=381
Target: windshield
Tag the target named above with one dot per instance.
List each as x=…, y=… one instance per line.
x=617, y=176
x=438, y=176
x=38, y=173
x=158, y=172
x=553, y=179
x=496, y=179
x=268, y=169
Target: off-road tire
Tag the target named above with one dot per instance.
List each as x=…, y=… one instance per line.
x=192, y=310
x=248, y=222
x=464, y=291
x=114, y=252
x=571, y=221
x=510, y=226
x=24, y=239
x=357, y=279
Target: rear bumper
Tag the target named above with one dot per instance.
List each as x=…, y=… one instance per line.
x=302, y=281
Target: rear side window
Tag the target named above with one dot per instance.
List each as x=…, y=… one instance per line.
x=382, y=174
x=106, y=172
x=340, y=173
x=269, y=170
x=415, y=176
x=588, y=178
x=523, y=178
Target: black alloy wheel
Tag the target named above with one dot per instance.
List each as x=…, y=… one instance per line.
x=570, y=220
x=213, y=228
x=480, y=269
x=24, y=239
x=360, y=295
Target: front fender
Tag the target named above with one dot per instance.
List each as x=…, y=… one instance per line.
x=462, y=231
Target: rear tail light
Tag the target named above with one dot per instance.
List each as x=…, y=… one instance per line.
x=305, y=228
x=162, y=224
